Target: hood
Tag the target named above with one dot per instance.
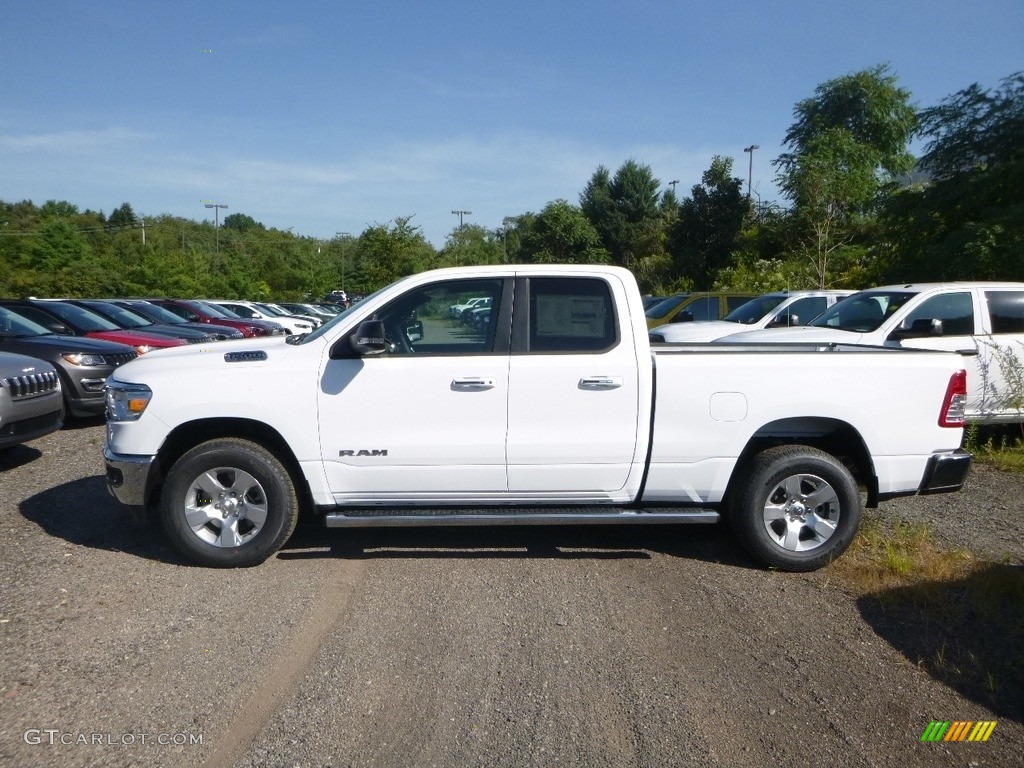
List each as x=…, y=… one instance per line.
x=808, y=333
x=197, y=358
x=58, y=344
x=703, y=330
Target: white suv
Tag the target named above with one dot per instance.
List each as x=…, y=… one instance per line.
x=982, y=320
x=779, y=309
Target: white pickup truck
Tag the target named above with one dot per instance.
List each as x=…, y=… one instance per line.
x=983, y=320
x=554, y=412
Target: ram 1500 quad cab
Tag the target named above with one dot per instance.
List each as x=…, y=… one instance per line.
x=554, y=411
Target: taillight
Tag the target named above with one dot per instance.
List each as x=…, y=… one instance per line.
x=955, y=402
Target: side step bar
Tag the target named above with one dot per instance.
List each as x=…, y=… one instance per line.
x=531, y=516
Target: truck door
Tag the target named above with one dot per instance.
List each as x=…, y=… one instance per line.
x=424, y=421
x=573, y=388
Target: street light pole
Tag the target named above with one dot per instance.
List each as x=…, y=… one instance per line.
x=673, y=185
x=460, y=214
x=216, y=225
x=750, y=170
x=343, y=235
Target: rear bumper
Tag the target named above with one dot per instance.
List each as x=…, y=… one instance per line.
x=946, y=472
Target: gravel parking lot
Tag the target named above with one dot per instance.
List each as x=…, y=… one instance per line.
x=617, y=647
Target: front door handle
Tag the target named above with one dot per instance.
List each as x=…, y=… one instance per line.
x=600, y=382
x=473, y=384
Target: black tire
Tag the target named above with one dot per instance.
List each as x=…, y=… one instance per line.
x=796, y=508
x=228, y=503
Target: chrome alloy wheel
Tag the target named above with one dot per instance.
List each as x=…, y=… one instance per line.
x=225, y=507
x=801, y=512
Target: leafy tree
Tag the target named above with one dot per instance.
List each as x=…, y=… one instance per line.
x=389, y=251
x=122, y=216
x=846, y=146
x=471, y=244
x=240, y=222
x=967, y=221
x=705, y=233
x=561, y=234
x=625, y=212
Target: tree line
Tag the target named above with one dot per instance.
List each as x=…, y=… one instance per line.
x=859, y=210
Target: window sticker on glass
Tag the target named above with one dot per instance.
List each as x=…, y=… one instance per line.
x=580, y=316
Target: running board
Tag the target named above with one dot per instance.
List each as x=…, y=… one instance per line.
x=526, y=516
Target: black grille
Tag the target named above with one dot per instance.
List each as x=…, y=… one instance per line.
x=31, y=384
x=203, y=340
x=120, y=358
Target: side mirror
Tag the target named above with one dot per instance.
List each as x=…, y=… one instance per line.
x=784, y=321
x=369, y=338
x=919, y=329
x=415, y=330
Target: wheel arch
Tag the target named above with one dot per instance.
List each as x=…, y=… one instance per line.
x=187, y=436
x=833, y=436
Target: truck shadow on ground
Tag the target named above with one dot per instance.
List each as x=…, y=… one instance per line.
x=967, y=633
x=711, y=543
x=18, y=456
x=83, y=513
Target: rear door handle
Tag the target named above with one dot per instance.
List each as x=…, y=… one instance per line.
x=600, y=382
x=473, y=384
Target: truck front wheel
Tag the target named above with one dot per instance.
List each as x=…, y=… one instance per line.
x=797, y=508
x=228, y=503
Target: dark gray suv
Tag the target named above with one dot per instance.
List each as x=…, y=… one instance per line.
x=83, y=364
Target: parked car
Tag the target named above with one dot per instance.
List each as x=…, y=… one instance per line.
x=70, y=320
x=163, y=315
x=250, y=310
x=685, y=307
x=30, y=399
x=983, y=320
x=457, y=310
x=83, y=364
x=200, y=312
x=296, y=308
x=124, y=317
x=779, y=309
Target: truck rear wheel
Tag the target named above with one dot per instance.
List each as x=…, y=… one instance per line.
x=228, y=503
x=797, y=509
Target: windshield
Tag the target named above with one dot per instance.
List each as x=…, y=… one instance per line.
x=863, y=312
x=13, y=325
x=126, y=318
x=157, y=313
x=83, y=319
x=665, y=306
x=217, y=311
x=755, y=309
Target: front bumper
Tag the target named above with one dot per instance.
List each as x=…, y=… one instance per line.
x=128, y=477
x=946, y=472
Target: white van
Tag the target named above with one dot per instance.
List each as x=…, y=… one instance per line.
x=982, y=320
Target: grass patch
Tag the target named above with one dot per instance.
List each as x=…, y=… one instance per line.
x=1002, y=446
x=956, y=617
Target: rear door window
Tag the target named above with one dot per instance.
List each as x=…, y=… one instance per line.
x=571, y=315
x=1006, y=311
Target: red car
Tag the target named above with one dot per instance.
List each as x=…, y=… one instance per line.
x=71, y=320
x=201, y=312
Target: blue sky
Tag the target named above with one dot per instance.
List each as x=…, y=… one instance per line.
x=330, y=117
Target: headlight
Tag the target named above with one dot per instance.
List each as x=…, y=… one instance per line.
x=80, y=358
x=126, y=402
x=142, y=348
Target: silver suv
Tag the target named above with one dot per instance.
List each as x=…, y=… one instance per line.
x=30, y=399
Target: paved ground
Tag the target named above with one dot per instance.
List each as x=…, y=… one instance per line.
x=615, y=647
